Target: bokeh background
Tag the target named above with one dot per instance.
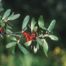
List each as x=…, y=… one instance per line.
x=50, y=9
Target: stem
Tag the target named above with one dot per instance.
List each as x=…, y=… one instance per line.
x=43, y=36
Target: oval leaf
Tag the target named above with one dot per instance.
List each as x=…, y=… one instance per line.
x=13, y=17
x=11, y=44
x=8, y=31
x=53, y=37
x=51, y=26
x=33, y=24
x=39, y=41
x=41, y=22
x=25, y=22
x=45, y=46
x=13, y=38
x=24, y=50
x=6, y=14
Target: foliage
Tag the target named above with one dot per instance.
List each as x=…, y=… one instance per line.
x=24, y=39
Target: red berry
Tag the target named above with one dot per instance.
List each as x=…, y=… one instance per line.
x=24, y=33
x=29, y=37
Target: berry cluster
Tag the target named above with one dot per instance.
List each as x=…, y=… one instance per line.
x=29, y=36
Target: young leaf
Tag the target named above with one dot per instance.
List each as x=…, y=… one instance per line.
x=33, y=24
x=23, y=49
x=13, y=17
x=51, y=26
x=53, y=37
x=6, y=14
x=41, y=22
x=11, y=44
x=25, y=22
x=45, y=46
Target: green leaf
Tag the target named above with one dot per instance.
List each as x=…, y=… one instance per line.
x=2, y=24
x=33, y=24
x=11, y=44
x=9, y=27
x=37, y=45
x=45, y=46
x=51, y=26
x=6, y=14
x=23, y=49
x=53, y=37
x=8, y=31
x=13, y=38
x=25, y=22
x=39, y=41
x=13, y=17
x=28, y=43
x=41, y=22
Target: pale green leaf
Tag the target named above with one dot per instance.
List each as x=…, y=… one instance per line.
x=41, y=22
x=53, y=37
x=39, y=41
x=13, y=17
x=13, y=38
x=25, y=22
x=6, y=14
x=45, y=46
x=11, y=44
x=24, y=50
x=51, y=26
x=33, y=22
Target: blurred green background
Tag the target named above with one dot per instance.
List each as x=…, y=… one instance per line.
x=50, y=9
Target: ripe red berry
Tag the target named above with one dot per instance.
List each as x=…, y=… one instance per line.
x=27, y=39
x=28, y=36
x=24, y=33
x=31, y=38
